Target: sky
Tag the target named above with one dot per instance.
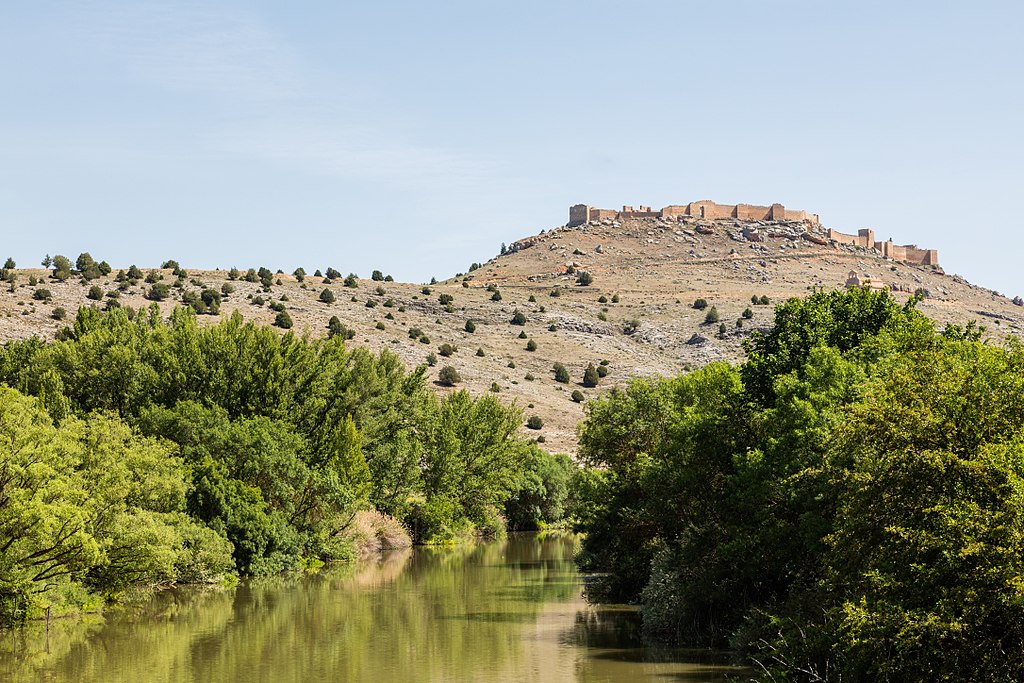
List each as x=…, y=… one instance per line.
x=417, y=137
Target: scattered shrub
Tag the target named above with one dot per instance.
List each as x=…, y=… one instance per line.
x=283, y=320
x=711, y=316
x=518, y=318
x=577, y=396
x=700, y=304
x=561, y=373
x=470, y=326
x=584, y=278
x=590, y=376
x=531, y=345
x=447, y=349
x=448, y=376
x=535, y=422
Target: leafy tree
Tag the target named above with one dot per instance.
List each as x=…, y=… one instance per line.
x=542, y=494
x=61, y=267
x=377, y=276
x=47, y=261
x=10, y=265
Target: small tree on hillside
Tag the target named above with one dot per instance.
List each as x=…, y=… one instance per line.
x=448, y=376
x=327, y=296
x=561, y=373
x=584, y=278
x=590, y=376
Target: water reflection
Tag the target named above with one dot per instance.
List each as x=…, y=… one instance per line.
x=507, y=611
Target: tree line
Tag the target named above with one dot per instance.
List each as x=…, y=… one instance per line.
x=138, y=449
x=846, y=504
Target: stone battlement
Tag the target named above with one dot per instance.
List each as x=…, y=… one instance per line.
x=580, y=214
x=910, y=253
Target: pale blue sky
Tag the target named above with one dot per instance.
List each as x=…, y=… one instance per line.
x=416, y=137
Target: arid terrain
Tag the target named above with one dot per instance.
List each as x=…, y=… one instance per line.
x=649, y=271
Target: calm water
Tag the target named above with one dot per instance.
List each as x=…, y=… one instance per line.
x=503, y=611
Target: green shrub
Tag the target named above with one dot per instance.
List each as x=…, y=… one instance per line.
x=447, y=349
x=712, y=316
x=555, y=292
x=42, y=295
x=602, y=370
x=747, y=313
x=283, y=320
x=470, y=326
x=535, y=422
x=158, y=292
x=496, y=296
x=700, y=304
x=445, y=299
x=59, y=313
x=480, y=352
x=448, y=376
x=561, y=373
x=584, y=278
x=531, y=345
x=431, y=359
x=327, y=296
x=518, y=318
x=590, y=376
x=577, y=396
x=415, y=333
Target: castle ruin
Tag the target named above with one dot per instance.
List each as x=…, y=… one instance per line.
x=582, y=214
x=865, y=238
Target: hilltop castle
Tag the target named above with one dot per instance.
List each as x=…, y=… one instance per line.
x=582, y=214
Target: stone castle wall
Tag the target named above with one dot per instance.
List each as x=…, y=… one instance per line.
x=581, y=213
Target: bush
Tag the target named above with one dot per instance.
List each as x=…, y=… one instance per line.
x=531, y=345
x=59, y=313
x=602, y=370
x=327, y=296
x=415, y=333
x=555, y=292
x=700, y=304
x=535, y=422
x=470, y=326
x=755, y=300
x=331, y=273
x=425, y=291
x=445, y=299
x=747, y=313
x=377, y=276
x=602, y=299
x=584, y=278
x=9, y=264
x=765, y=300
x=590, y=376
x=431, y=359
x=449, y=376
x=577, y=396
x=496, y=296
x=227, y=289
x=518, y=318
x=158, y=292
x=447, y=349
x=722, y=329
x=283, y=320
x=561, y=373
x=480, y=352
x=350, y=281
x=42, y=294
x=495, y=388
x=712, y=316
x=615, y=298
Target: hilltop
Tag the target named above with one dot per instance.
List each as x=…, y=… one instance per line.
x=637, y=315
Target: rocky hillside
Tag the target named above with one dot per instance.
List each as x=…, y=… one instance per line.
x=637, y=315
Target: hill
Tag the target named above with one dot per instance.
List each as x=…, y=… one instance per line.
x=637, y=315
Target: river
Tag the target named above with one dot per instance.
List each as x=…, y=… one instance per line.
x=501, y=611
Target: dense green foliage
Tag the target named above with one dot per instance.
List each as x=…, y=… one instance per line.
x=848, y=504
x=145, y=450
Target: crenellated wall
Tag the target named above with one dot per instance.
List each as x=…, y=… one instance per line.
x=581, y=213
